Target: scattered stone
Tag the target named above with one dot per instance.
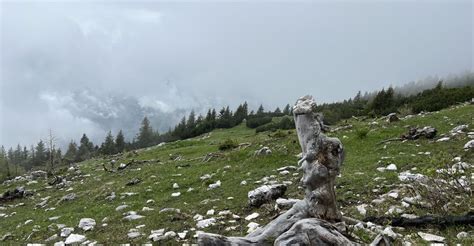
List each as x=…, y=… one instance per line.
x=205, y=223
x=6, y=236
x=146, y=209
x=170, y=210
x=469, y=145
x=391, y=167
x=390, y=233
x=39, y=174
x=87, y=224
x=459, y=129
x=75, y=239
x=176, y=194
x=252, y=216
x=266, y=193
x=252, y=227
x=54, y=218
x=66, y=231
x=263, y=151
x=206, y=177
x=182, y=235
x=210, y=212
x=198, y=217
x=133, y=233
x=393, y=194
x=462, y=235
x=121, y=207
x=68, y=197
x=175, y=186
x=243, y=182
x=443, y=139
x=392, y=117
x=150, y=201
x=134, y=181
x=431, y=238
x=156, y=234
x=407, y=176
x=111, y=196
x=361, y=209
x=52, y=238
x=132, y=215
x=214, y=185
x=285, y=172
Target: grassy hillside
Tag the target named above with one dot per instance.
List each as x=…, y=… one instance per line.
x=159, y=168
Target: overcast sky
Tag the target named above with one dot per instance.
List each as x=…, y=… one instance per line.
x=90, y=67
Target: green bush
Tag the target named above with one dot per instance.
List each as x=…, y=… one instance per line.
x=228, y=144
x=256, y=122
x=285, y=123
x=362, y=133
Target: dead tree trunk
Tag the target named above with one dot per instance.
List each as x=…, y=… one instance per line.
x=309, y=221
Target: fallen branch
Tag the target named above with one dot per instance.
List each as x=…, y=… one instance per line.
x=441, y=221
x=390, y=140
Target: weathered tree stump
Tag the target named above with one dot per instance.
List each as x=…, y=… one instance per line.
x=309, y=221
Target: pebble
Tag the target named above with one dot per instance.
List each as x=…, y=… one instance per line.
x=252, y=216
x=176, y=194
x=75, y=239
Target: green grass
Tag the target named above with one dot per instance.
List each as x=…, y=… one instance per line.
x=363, y=156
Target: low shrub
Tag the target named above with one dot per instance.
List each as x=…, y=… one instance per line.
x=228, y=144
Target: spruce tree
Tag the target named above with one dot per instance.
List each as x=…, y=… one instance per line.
x=108, y=146
x=71, y=153
x=286, y=110
x=120, y=142
x=86, y=149
x=145, y=134
x=40, y=154
x=260, y=110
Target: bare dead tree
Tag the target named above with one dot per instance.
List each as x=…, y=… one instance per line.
x=51, y=148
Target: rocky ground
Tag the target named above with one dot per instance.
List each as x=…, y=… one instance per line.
x=171, y=192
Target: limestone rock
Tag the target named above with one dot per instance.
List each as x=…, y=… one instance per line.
x=87, y=224
x=215, y=185
x=266, y=193
x=392, y=117
x=66, y=231
x=75, y=239
x=430, y=237
x=206, y=223
x=263, y=151
x=469, y=145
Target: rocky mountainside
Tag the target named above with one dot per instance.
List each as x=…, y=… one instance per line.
x=171, y=192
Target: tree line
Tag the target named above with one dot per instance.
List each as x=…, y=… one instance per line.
x=17, y=160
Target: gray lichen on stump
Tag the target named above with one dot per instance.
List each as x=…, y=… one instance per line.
x=309, y=221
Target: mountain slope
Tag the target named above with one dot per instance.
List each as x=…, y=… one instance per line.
x=182, y=162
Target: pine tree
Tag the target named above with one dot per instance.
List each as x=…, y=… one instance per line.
x=40, y=154
x=145, y=134
x=277, y=112
x=86, y=149
x=260, y=110
x=71, y=153
x=120, y=142
x=4, y=161
x=286, y=110
x=108, y=146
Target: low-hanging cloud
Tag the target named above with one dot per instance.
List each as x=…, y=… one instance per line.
x=92, y=67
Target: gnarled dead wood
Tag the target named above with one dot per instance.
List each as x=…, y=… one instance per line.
x=314, y=215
